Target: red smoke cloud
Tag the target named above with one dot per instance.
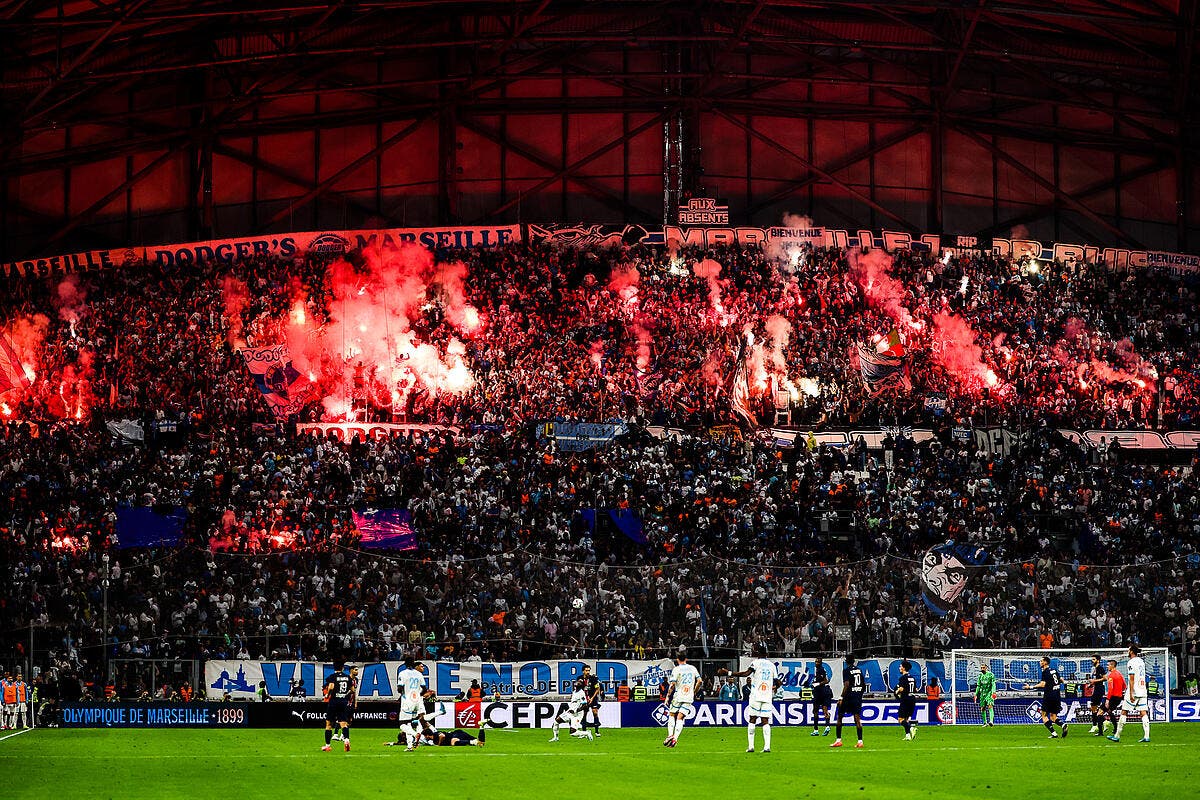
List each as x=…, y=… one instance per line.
x=873, y=273
x=955, y=349
x=370, y=347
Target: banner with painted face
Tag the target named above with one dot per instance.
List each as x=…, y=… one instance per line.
x=945, y=571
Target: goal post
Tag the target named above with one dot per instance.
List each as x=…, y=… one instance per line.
x=1014, y=669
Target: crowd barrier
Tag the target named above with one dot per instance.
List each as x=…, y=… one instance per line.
x=540, y=714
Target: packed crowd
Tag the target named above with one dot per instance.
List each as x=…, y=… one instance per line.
x=635, y=333
x=744, y=540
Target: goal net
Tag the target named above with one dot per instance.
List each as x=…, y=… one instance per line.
x=1014, y=669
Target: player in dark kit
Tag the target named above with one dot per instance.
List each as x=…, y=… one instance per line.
x=591, y=688
x=822, y=696
x=1096, y=685
x=906, y=693
x=853, y=686
x=337, y=735
x=339, y=694
x=1051, y=698
x=454, y=738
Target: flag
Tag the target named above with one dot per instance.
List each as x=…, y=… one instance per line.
x=386, y=528
x=284, y=388
x=739, y=392
x=895, y=347
x=884, y=366
x=145, y=527
x=614, y=520
x=945, y=571
x=12, y=374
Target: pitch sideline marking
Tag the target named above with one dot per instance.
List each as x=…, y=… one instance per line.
x=443, y=753
x=18, y=733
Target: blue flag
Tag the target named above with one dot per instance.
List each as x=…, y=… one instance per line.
x=143, y=527
x=386, y=528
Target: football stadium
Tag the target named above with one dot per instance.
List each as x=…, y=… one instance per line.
x=622, y=398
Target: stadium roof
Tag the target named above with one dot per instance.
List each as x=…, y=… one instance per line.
x=1090, y=104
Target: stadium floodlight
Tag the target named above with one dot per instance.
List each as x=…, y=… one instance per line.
x=1015, y=669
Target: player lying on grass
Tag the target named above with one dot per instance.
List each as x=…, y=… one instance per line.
x=759, y=707
x=454, y=738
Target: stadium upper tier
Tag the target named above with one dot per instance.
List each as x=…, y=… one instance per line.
x=525, y=333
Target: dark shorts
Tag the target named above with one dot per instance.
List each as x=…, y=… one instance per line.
x=594, y=704
x=1052, y=704
x=908, y=709
x=850, y=704
x=338, y=711
x=823, y=696
x=1113, y=703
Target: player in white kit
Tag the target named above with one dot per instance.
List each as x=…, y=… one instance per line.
x=764, y=680
x=1136, y=700
x=681, y=699
x=572, y=715
x=410, y=681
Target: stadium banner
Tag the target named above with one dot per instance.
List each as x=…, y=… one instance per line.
x=376, y=681
x=880, y=674
x=311, y=714
x=1173, y=263
x=1028, y=710
x=1185, y=709
x=580, y=436
x=593, y=235
x=227, y=251
x=720, y=713
x=794, y=237
x=346, y=431
x=939, y=245
x=994, y=439
x=88, y=261
x=155, y=715
x=883, y=674
x=517, y=714
x=781, y=239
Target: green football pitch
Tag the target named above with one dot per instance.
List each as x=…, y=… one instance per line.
x=1004, y=762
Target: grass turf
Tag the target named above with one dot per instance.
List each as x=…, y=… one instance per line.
x=709, y=763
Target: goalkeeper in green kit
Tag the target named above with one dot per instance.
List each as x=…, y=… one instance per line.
x=985, y=695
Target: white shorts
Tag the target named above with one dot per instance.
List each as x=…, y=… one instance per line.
x=410, y=711
x=1138, y=705
x=760, y=708
x=687, y=708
